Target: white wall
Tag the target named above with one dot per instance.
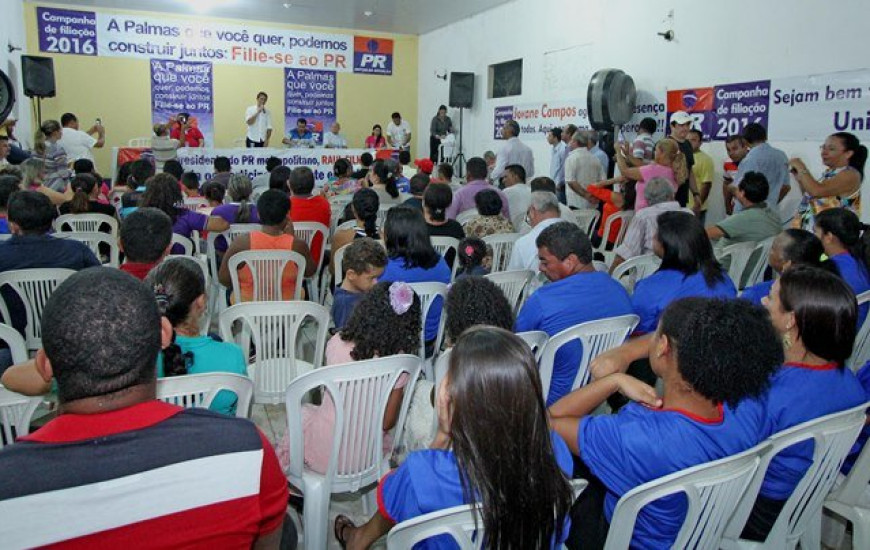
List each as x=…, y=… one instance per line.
x=12, y=32
x=734, y=41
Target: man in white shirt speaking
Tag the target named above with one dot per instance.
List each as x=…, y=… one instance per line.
x=78, y=144
x=259, y=121
x=513, y=151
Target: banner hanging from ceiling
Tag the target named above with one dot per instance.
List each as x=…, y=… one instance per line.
x=143, y=36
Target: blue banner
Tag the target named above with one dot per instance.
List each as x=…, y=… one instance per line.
x=183, y=87
x=310, y=94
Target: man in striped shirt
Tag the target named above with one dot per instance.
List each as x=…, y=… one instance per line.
x=118, y=468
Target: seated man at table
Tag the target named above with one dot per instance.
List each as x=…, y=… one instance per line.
x=300, y=136
x=146, y=237
x=576, y=294
x=133, y=468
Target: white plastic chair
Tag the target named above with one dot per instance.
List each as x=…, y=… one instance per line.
x=194, y=204
x=512, y=284
x=739, y=254
x=93, y=240
x=234, y=231
x=139, y=142
x=360, y=391
x=34, y=287
x=428, y=293
x=586, y=218
x=850, y=501
x=267, y=273
x=861, y=348
x=800, y=518
x=626, y=216
x=537, y=340
x=16, y=410
x=442, y=246
x=596, y=337
x=382, y=214
x=85, y=223
x=466, y=216
x=199, y=390
x=754, y=272
x=629, y=272
x=182, y=241
x=502, y=244
x=272, y=330
x=457, y=522
x=307, y=231
x=712, y=490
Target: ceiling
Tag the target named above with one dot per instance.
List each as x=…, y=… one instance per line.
x=393, y=16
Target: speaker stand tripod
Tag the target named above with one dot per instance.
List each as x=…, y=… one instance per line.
x=459, y=158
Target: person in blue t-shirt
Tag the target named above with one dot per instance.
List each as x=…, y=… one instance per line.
x=412, y=259
x=840, y=231
x=688, y=268
x=706, y=412
x=576, y=294
x=790, y=248
x=863, y=376
x=502, y=445
x=300, y=136
x=815, y=313
x=364, y=261
x=179, y=288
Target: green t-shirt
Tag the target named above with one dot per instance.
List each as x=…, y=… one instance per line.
x=755, y=223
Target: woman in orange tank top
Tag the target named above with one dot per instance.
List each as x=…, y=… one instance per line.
x=276, y=234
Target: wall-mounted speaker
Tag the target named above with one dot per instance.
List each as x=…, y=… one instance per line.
x=610, y=98
x=38, y=76
x=461, y=90
x=7, y=95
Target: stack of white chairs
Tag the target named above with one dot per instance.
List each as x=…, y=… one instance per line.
x=360, y=392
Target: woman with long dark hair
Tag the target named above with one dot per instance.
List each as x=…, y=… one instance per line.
x=162, y=192
x=815, y=313
x=436, y=200
x=85, y=192
x=713, y=356
x=520, y=479
x=376, y=140
x=412, y=258
x=383, y=182
x=791, y=248
x=840, y=231
x=179, y=288
x=364, y=209
x=688, y=269
x=840, y=184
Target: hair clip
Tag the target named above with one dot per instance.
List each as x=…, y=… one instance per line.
x=469, y=250
x=401, y=297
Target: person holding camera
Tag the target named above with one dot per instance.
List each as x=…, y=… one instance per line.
x=185, y=131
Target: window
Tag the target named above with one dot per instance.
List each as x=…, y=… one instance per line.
x=506, y=79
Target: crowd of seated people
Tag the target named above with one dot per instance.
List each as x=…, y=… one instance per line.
x=735, y=368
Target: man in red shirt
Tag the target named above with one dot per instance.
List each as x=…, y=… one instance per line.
x=306, y=207
x=146, y=237
x=182, y=125
x=118, y=468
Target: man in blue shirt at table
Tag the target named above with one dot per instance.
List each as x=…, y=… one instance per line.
x=577, y=293
x=300, y=136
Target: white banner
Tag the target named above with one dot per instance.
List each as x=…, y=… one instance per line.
x=93, y=33
x=536, y=119
x=813, y=107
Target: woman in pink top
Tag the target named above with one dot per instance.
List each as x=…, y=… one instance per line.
x=386, y=321
x=668, y=163
x=377, y=139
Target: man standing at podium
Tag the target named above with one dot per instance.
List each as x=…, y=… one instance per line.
x=259, y=121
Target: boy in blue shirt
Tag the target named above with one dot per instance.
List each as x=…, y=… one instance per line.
x=364, y=261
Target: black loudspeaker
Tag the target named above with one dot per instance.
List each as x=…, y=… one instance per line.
x=38, y=74
x=7, y=95
x=461, y=90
